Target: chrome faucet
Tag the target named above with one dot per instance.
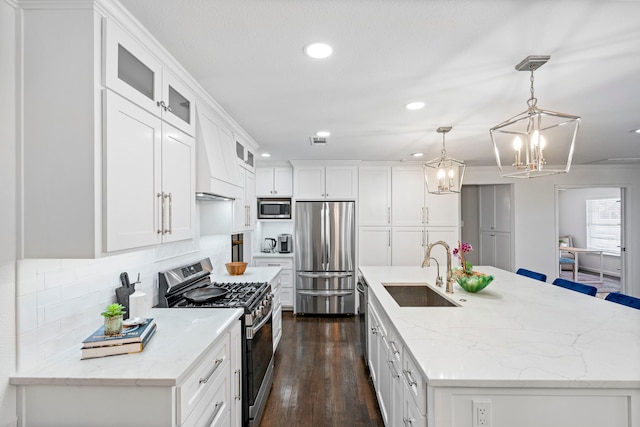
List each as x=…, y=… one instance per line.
x=438, y=276
x=427, y=258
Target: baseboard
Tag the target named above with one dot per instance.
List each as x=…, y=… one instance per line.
x=596, y=271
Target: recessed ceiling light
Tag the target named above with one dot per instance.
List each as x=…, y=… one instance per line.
x=323, y=133
x=318, y=50
x=414, y=105
x=265, y=155
x=417, y=154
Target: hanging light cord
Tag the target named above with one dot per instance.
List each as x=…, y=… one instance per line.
x=443, y=151
x=533, y=100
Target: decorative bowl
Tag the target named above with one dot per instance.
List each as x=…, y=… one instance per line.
x=474, y=282
x=236, y=268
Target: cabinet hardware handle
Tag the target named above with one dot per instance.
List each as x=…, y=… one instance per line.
x=407, y=421
x=374, y=331
x=392, y=367
x=394, y=349
x=170, y=197
x=168, y=108
x=389, y=238
x=388, y=214
x=238, y=397
x=427, y=211
x=217, y=409
x=216, y=364
x=161, y=229
x=162, y=105
x=409, y=377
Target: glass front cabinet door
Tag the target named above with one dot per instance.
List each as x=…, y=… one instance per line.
x=134, y=72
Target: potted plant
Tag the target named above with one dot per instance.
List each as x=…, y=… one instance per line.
x=469, y=280
x=113, y=314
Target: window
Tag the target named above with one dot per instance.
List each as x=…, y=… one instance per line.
x=603, y=225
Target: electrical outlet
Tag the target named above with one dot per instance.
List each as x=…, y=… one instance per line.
x=481, y=413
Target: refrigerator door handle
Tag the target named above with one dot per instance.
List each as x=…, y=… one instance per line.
x=325, y=275
x=326, y=294
x=322, y=234
x=327, y=234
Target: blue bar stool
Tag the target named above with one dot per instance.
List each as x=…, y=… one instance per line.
x=575, y=286
x=623, y=299
x=532, y=274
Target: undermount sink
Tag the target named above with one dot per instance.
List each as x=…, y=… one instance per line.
x=416, y=295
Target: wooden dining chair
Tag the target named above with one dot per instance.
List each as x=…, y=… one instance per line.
x=575, y=286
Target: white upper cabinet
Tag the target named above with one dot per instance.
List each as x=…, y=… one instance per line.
x=274, y=182
x=149, y=178
x=318, y=182
x=412, y=205
x=244, y=208
x=245, y=155
x=374, y=195
x=133, y=72
x=408, y=196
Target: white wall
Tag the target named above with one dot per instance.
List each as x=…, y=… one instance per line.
x=8, y=208
x=535, y=206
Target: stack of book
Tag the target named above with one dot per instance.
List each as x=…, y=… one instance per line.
x=129, y=340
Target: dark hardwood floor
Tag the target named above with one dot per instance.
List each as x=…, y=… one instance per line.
x=319, y=377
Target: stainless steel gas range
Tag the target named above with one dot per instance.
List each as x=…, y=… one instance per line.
x=191, y=286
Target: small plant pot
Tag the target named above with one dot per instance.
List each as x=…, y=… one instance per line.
x=113, y=325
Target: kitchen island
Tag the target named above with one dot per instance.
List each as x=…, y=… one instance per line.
x=519, y=353
x=187, y=365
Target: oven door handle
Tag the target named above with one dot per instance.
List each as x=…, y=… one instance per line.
x=325, y=275
x=325, y=294
x=251, y=332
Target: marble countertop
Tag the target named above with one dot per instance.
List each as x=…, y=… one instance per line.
x=182, y=338
x=517, y=332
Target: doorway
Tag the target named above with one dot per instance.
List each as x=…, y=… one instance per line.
x=592, y=218
x=487, y=221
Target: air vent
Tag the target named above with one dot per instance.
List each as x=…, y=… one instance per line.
x=318, y=141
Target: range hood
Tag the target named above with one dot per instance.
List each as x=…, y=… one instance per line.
x=217, y=174
x=210, y=197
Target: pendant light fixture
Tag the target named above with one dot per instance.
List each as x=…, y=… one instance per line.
x=536, y=142
x=444, y=175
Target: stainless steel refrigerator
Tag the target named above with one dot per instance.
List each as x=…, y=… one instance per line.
x=325, y=257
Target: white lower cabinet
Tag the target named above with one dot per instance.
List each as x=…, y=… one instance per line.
x=208, y=394
x=374, y=246
x=286, y=276
x=400, y=388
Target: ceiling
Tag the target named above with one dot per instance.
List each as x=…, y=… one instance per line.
x=456, y=56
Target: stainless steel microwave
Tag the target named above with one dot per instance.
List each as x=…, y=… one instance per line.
x=274, y=208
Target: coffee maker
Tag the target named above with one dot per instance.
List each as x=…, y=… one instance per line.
x=285, y=243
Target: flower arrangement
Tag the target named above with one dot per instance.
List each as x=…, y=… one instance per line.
x=459, y=252
x=469, y=280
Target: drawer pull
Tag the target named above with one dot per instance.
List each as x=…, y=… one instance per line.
x=216, y=363
x=409, y=377
x=374, y=331
x=394, y=347
x=407, y=421
x=394, y=371
x=238, y=397
x=216, y=411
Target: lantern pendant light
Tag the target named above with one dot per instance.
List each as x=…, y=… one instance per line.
x=444, y=175
x=536, y=142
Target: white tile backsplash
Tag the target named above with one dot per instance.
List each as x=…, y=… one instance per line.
x=59, y=300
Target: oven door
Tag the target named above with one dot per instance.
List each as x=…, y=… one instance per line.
x=259, y=354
